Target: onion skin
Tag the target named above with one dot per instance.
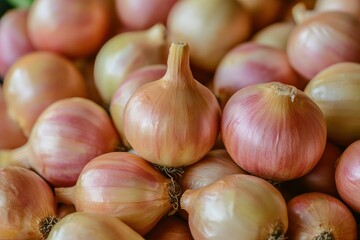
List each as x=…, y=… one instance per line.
x=14, y=40
x=127, y=88
x=26, y=200
x=143, y=14
x=84, y=226
x=227, y=205
x=274, y=131
x=347, y=176
x=336, y=91
x=323, y=40
x=320, y=216
x=172, y=228
x=35, y=81
x=201, y=22
x=66, y=136
x=350, y=6
x=164, y=119
x=123, y=54
x=75, y=28
x=122, y=185
x=247, y=64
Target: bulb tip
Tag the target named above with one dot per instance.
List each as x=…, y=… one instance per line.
x=285, y=90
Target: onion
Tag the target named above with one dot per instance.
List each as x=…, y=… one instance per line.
x=125, y=53
x=127, y=88
x=248, y=64
x=336, y=91
x=67, y=135
x=143, y=14
x=241, y=206
x=349, y=6
x=27, y=207
x=274, y=131
x=9, y=128
x=164, y=119
x=320, y=216
x=200, y=23
x=84, y=226
x=65, y=209
x=14, y=40
x=172, y=228
x=125, y=186
x=322, y=177
x=275, y=35
x=75, y=28
x=322, y=40
x=35, y=81
x=347, y=176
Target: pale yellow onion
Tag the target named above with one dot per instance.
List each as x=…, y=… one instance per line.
x=66, y=136
x=170, y=227
x=131, y=83
x=96, y=226
x=125, y=53
x=175, y=120
x=27, y=206
x=125, y=186
x=237, y=206
x=210, y=27
x=336, y=90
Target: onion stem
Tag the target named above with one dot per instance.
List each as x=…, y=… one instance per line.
x=170, y=172
x=174, y=193
x=15, y=157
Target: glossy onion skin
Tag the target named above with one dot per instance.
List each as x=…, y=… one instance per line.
x=347, y=176
x=274, y=131
x=240, y=206
x=311, y=214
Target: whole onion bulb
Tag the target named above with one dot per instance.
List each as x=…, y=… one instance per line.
x=240, y=206
x=322, y=40
x=274, y=131
x=164, y=119
x=200, y=23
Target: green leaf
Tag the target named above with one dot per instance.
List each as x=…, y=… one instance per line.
x=20, y=3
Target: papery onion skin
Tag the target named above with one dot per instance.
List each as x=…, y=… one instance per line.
x=26, y=201
x=14, y=40
x=35, y=81
x=240, y=206
x=122, y=185
x=347, y=176
x=170, y=227
x=85, y=226
x=336, y=91
x=201, y=22
x=124, y=53
x=320, y=216
x=274, y=131
x=127, y=88
x=247, y=64
x=164, y=119
x=323, y=40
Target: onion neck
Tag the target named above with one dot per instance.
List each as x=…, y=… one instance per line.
x=178, y=65
x=65, y=195
x=285, y=90
x=300, y=13
x=187, y=199
x=16, y=157
x=157, y=34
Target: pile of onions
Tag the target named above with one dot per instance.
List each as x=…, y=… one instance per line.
x=14, y=39
x=164, y=119
x=336, y=91
x=27, y=206
x=125, y=186
x=248, y=64
x=9, y=128
x=66, y=136
x=143, y=14
x=85, y=226
x=320, y=216
x=35, y=81
x=127, y=88
x=347, y=176
x=123, y=54
x=200, y=23
x=170, y=227
x=241, y=206
x=274, y=131
x=323, y=39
